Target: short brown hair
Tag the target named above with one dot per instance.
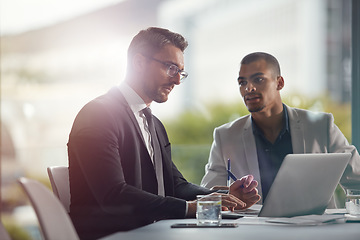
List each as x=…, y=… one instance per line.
x=151, y=40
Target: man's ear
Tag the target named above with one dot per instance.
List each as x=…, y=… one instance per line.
x=138, y=63
x=280, y=83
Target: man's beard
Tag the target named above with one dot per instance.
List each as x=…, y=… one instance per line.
x=157, y=96
x=258, y=109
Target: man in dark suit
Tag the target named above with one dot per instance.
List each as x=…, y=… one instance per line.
x=121, y=175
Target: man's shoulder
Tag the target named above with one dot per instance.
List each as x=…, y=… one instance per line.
x=106, y=106
x=235, y=124
x=305, y=114
x=111, y=99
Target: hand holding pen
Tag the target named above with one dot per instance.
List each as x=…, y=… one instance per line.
x=243, y=188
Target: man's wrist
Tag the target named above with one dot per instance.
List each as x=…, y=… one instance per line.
x=190, y=209
x=223, y=191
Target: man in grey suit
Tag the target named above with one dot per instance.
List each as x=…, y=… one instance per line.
x=120, y=169
x=257, y=143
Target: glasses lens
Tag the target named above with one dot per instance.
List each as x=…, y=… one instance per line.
x=172, y=70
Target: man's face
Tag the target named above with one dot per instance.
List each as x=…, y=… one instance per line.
x=158, y=84
x=259, y=85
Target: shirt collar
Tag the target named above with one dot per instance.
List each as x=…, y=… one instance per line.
x=133, y=99
x=286, y=119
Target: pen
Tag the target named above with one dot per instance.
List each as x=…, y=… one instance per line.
x=230, y=174
x=228, y=169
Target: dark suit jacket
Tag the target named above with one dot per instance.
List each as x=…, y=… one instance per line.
x=112, y=179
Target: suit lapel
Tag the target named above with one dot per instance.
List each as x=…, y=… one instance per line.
x=248, y=140
x=136, y=124
x=120, y=97
x=297, y=132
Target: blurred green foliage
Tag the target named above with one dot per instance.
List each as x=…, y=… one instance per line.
x=15, y=232
x=191, y=136
x=191, y=133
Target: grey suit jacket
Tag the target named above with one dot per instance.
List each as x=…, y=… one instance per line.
x=310, y=133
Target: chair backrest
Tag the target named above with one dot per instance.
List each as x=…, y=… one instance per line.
x=4, y=235
x=55, y=222
x=59, y=179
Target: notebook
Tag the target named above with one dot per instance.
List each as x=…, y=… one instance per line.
x=304, y=184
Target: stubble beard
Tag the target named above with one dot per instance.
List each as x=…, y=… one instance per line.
x=256, y=109
x=160, y=97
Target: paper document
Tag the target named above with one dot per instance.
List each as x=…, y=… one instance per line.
x=307, y=220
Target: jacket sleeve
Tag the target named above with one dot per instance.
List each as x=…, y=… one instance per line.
x=338, y=143
x=215, y=169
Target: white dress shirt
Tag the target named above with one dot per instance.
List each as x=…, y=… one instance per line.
x=137, y=105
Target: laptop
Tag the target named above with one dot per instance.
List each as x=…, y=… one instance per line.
x=304, y=184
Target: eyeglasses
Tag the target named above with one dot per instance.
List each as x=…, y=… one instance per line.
x=172, y=69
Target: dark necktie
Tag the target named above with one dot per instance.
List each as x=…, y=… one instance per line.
x=157, y=152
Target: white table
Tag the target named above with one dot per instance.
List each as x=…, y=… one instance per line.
x=256, y=229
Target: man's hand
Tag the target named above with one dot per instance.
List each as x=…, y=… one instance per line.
x=245, y=190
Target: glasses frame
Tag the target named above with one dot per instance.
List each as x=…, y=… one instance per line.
x=182, y=73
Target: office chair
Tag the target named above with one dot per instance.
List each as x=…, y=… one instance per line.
x=55, y=222
x=59, y=179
